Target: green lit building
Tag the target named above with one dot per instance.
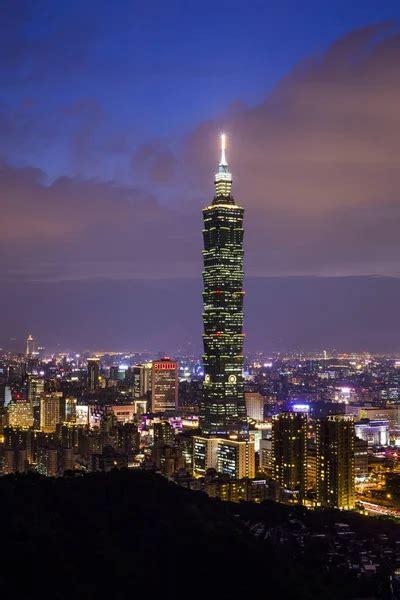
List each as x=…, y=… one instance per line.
x=223, y=407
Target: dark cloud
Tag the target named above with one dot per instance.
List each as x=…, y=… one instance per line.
x=73, y=229
x=317, y=165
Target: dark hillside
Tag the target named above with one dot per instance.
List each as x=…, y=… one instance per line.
x=120, y=534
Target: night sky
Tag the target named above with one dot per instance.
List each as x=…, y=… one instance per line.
x=110, y=114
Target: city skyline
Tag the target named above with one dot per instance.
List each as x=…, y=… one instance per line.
x=97, y=205
x=192, y=377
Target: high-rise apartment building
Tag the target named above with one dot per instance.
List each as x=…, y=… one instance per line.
x=223, y=408
x=93, y=373
x=128, y=438
x=163, y=433
x=50, y=410
x=289, y=454
x=47, y=461
x=164, y=386
x=335, y=440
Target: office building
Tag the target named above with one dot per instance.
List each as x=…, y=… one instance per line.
x=289, y=454
x=254, y=406
x=235, y=458
x=205, y=455
x=35, y=389
x=223, y=409
x=335, y=439
x=164, y=392
x=93, y=372
x=142, y=376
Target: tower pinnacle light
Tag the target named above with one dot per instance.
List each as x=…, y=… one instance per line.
x=223, y=160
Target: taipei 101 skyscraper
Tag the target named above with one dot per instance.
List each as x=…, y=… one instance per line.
x=223, y=411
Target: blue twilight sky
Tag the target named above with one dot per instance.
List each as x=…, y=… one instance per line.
x=128, y=72
x=109, y=120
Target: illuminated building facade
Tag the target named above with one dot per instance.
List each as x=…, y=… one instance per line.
x=93, y=373
x=223, y=406
x=20, y=414
x=163, y=433
x=230, y=457
x=289, y=453
x=30, y=345
x=360, y=460
x=254, y=405
x=164, y=386
x=50, y=411
x=236, y=458
x=205, y=455
x=376, y=433
x=265, y=456
x=335, y=440
x=70, y=409
x=142, y=375
x=35, y=389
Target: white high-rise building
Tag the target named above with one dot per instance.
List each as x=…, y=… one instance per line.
x=254, y=405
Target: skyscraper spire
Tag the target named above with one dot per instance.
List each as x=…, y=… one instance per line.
x=223, y=179
x=223, y=161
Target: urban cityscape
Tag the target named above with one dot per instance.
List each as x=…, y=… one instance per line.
x=123, y=467
x=316, y=430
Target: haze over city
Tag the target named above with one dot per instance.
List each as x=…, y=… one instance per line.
x=109, y=119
